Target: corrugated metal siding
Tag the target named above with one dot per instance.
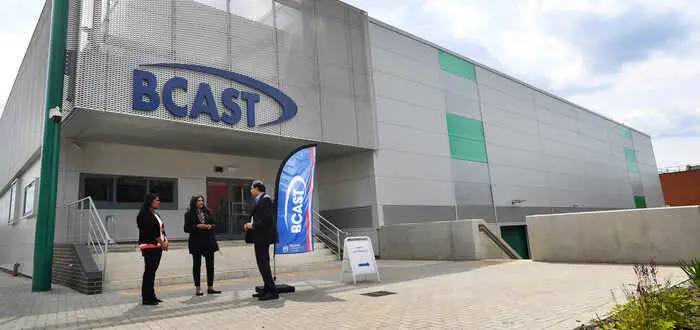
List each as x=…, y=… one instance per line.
x=22, y=124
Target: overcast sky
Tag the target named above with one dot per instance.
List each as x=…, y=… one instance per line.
x=635, y=61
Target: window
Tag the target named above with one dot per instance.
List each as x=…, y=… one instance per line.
x=13, y=202
x=29, y=199
x=127, y=192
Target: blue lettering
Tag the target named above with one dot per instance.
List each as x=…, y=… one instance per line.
x=227, y=97
x=250, y=100
x=204, y=103
x=176, y=82
x=144, y=96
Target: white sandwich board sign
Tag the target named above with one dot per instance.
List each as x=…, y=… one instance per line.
x=358, y=257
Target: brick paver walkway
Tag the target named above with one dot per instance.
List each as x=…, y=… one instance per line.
x=429, y=295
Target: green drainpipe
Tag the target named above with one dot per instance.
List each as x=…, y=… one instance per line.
x=50, y=149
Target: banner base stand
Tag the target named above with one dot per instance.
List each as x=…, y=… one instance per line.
x=281, y=288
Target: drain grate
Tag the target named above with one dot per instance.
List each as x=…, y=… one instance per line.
x=378, y=293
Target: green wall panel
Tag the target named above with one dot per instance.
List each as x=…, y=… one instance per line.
x=640, y=202
x=626, y=132
x=456, y=65
x=631, y=159
x=466, y=138
x=465, y=127
x=467, y=149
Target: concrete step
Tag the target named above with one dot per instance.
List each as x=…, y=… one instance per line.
x=125, y=266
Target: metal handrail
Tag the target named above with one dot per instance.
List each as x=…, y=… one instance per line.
x=98, y=238
x=508, y=250
x=330, y=230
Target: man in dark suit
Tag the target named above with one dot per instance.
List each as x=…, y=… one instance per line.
x=263, y=232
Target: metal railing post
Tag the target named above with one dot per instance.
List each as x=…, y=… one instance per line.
x=337, y=245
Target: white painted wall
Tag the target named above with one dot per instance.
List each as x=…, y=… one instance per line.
x=190, y=168
x=17, y=239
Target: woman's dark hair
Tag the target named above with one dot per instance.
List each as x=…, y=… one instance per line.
x=147, y=204
x=193, y=203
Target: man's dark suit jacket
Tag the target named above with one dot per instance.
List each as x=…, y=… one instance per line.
x=264, y=222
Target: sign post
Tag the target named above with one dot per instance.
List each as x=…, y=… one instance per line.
x=358, y=257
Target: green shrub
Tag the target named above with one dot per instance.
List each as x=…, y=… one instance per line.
x=692, y=269
x=651, y=305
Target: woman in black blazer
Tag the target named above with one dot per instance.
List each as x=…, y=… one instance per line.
x=152, y=243
x=202, y=242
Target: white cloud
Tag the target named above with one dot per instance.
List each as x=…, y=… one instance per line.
x=462, y=20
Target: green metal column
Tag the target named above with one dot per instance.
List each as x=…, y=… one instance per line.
x=50, y=150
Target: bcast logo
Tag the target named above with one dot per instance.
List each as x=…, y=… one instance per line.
x=147, y=98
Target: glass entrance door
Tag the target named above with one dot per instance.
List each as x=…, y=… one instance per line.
x=229, y=201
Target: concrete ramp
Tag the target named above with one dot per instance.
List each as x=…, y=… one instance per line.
x=125, y=264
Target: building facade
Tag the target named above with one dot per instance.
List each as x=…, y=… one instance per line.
x=185, y=97
x=681, y=187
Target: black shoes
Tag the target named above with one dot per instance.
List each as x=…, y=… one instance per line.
x=258, y=295
x=269, y=296
x=213, y=292
x=150, y=303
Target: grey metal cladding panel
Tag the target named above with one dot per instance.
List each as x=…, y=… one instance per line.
x=644, y=149
x=142, y=25
x=307, y=122
x=366, y=125
x=518, y=214
x=494, y=116
x=596, y=145
x=412, y=140
x=389, y=163
x=485, y=212
x=360, y=53
x=90, y=85
x=565, y=136
x=405, y=67
x=499, y=155
x=298, y=70
x=458, y=85
x=330, y=9
x=333, y=41
x=397, y=214
x=194, y=14
x=400, y=113
x=593, y=131
x=557, y=149
x=338, y=117
x=468, y=193
x=335, y=78
x=463, y=106
x=22, y=121
x=496, y=135
x=381, y=37
x=353, y=193
x=637, y=188
x=472, y=172
x=504, y=195
x=506, y=175
x=402, y=191
x=346, y=168
x=408, y=91
x=618, y=140
x=563, y=165
x=295, y=29
x=568, y=197
x=593, y=119
x=555, y=105
x=210, y=48
x=566, y=181
x=350, y=218
x=488, y=78
x=556, y=119
x=507, y=102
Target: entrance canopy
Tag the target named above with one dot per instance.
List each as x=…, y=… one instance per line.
x=101, y=126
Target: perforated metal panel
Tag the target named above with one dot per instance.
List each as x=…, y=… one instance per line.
x=281, y=43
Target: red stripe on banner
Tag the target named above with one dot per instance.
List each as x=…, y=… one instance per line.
x=309, y=247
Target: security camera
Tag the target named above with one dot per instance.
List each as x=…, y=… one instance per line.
x=55, y=114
